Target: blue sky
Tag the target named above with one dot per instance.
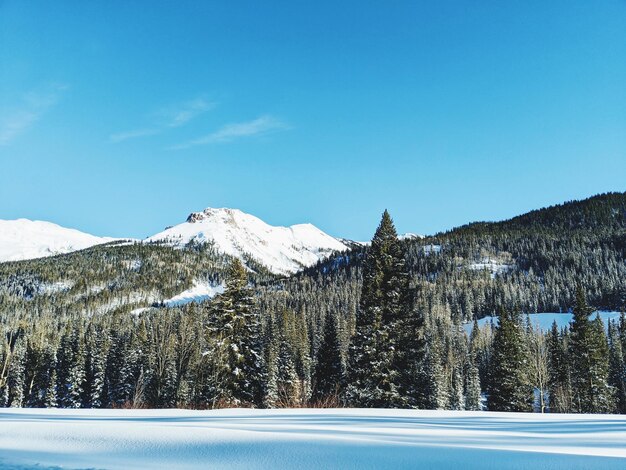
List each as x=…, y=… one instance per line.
x=119, y=118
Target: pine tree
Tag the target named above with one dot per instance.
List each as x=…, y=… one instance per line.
x=160, y=385
x=65, y=356
x=508, y=386
x=374, y=377
x=96, y=358
x=559, y=384
x=435, y=393
x=537, y=370
x=120, y=365
x=602, y=394
x=16, y=381
x=472, y=376
x=617, y=367
x=50, y=400
x=457, y=396
x=283, y=385
x=240, y=328
x=329, y=369
x=589, y=361
x=76, y=377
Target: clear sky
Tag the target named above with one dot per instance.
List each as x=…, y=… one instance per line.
x=121, y=117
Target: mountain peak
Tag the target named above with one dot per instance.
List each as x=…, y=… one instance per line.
x=27, y=239
x=282, y=250
x=211, y=212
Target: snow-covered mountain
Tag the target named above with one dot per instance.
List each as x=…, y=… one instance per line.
x=27, y=239
x=283, y=250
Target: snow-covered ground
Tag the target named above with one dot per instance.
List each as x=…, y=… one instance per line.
x=199, y=292
x=544, y=320
x=303, y=439
x=495, y=268
x=283, y=250
x=27, y=239
x=431, y=249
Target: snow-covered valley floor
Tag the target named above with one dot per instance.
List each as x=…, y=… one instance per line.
x=303, y=439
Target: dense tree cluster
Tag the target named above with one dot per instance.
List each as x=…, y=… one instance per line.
x=381, y=325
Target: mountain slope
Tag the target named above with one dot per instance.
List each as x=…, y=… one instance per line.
x=282, y=250
x=28, y=239
x=604, y=211
x=532, y=262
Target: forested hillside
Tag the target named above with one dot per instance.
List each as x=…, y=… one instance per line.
x=95, y=328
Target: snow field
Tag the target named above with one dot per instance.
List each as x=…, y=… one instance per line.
x=309, y=439
x=27, y=239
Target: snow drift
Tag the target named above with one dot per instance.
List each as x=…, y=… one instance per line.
x=309, y=439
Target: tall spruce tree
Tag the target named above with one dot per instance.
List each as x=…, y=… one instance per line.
x=239, y=325
x=602, y=393
x=472, y=376
x=617, y=368
x=16, y=378
x=559, y=384
x=588, y=350
x=374, y=376
x=508, y=387
x=283, y=386
x=329, y=369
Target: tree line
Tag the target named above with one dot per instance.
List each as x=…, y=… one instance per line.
x=366, y=333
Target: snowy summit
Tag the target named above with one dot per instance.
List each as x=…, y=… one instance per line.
x=282, y=250
x=28, y=239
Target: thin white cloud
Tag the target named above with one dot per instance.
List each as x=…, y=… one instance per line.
x=259, y=126
x=173, y=116
x=33, y=105
x=121, y=136
x=188, y=111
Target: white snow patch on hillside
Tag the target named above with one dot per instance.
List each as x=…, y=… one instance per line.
x=431, y=249
x=283, y=250
x=494, y=267
x=544, y=320
x=55, y=287
x=309, y=439
x=28, y=239
x=199, y=292
x=139, y=311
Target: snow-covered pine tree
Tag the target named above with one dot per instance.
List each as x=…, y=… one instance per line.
x=537, y=370
x=508, y=386
x=410, y=356
x=329, y=370
x=71, y=374
x=97, y=349
x=16, y=376
x=435, y=393
x=50, y=400
x=374, y=379
x=559, y=383
x=77, y=376
x=602, y=394
x=240, y=329
x=270, y=387
x=472, y=375
x=617, y=364
x=160, y=386
x=65, y=356
x=283, y=388
x=457, y=396
x=589, y=361
x=117, y=386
